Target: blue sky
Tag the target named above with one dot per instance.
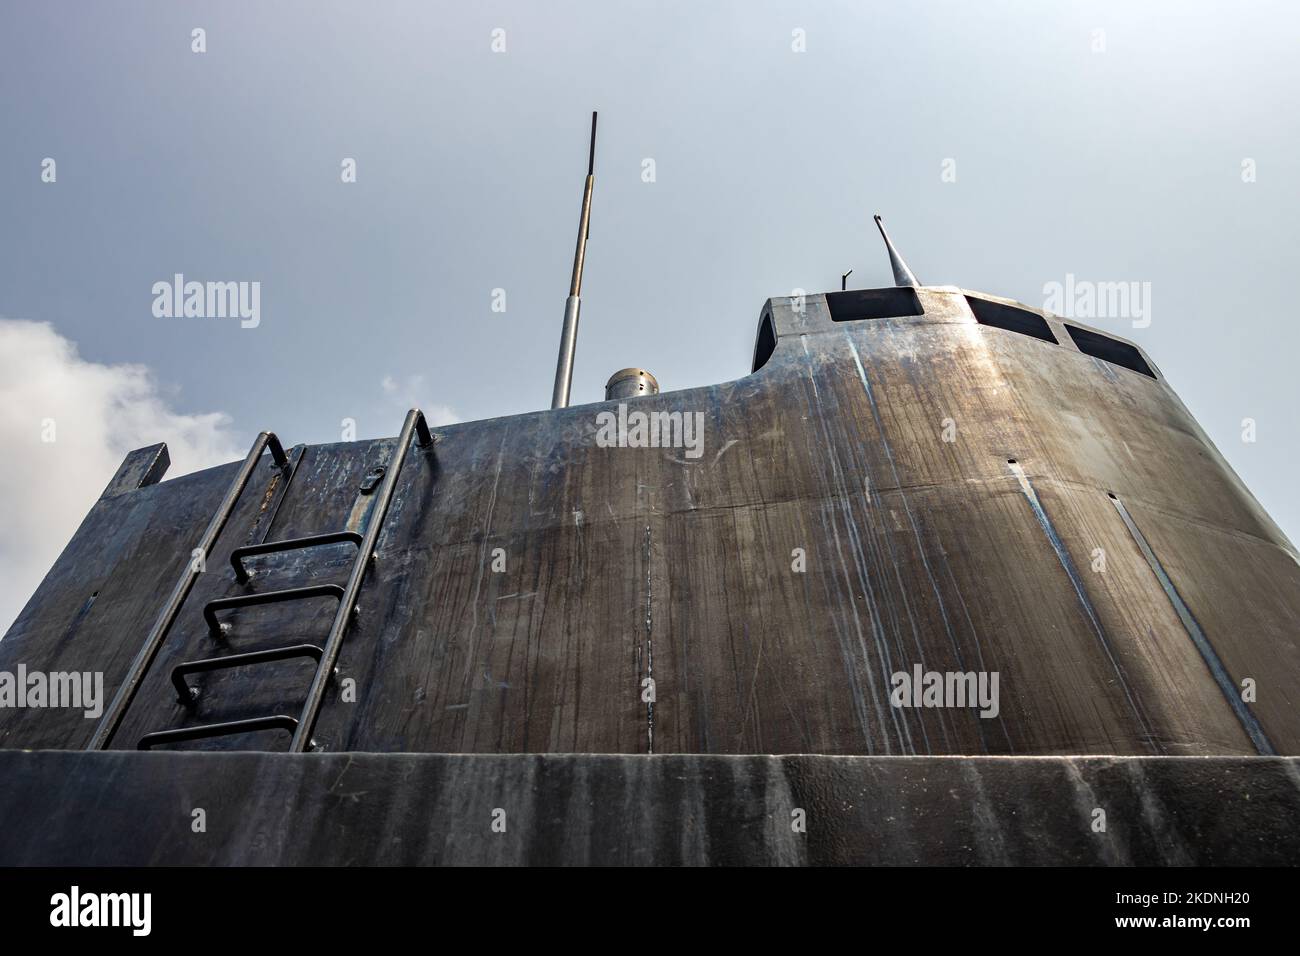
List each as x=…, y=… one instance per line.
x=1116, y=164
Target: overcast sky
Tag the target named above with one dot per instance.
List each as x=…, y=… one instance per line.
x=1104, y=140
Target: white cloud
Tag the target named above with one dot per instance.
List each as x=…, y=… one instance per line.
x=411, y=392
x=98, y=414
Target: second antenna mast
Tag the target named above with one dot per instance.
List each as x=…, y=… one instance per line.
x=572, y=305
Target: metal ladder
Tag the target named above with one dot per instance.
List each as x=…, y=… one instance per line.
x=325, y=655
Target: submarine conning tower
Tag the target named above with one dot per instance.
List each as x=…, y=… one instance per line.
x=912, y=480
x=658, y=649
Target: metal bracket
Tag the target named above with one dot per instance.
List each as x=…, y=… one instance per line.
x=372, y=479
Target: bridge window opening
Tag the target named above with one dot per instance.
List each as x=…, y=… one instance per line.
x=765, y=345
x=1109, y=350
x=1008, y=317
x=858, y=304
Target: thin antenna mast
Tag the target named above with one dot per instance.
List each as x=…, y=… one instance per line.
x=569, y=334
x=902, y=274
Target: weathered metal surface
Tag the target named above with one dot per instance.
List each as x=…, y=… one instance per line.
x=114, y=808
x=622, y=564
x=142, y=467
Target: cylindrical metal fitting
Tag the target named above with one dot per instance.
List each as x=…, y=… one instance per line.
x=631, y=383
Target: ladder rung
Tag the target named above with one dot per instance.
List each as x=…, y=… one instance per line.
x=267, y=597
x=291, y=544
x=278, y=722
x=186, y=694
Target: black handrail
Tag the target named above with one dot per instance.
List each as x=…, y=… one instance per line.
x=414, y=424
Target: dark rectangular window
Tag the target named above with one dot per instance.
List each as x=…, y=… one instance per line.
x=1012, y=319
x=873, y=304
x=1109, y=350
